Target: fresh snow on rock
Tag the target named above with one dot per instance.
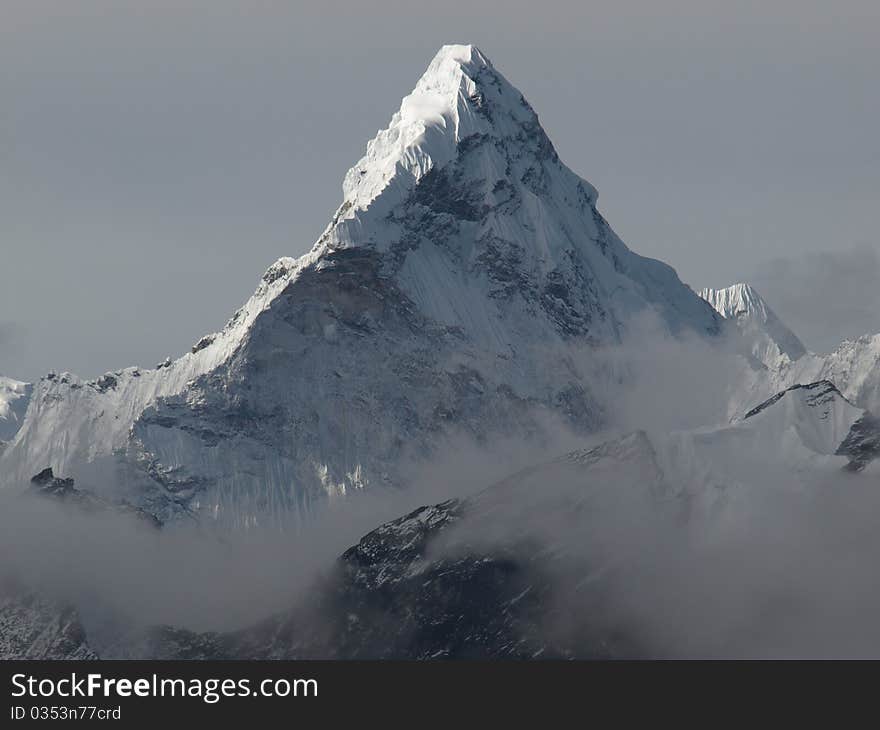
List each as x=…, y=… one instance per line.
x=33, y=627
x=854, y=367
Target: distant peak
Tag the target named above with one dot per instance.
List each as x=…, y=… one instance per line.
x=734, y=300
x=743, y=304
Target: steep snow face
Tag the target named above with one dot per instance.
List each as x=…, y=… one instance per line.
x=818, y=413
x=464, y=192
x=854, y=367
x=768, y=339
x=463, y=269
x=797, y=428
x=14, y=397
x=800, y=439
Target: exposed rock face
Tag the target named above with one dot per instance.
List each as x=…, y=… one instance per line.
x=46, y=484
x=450, y=294
x=32, y=627
x=862, y=444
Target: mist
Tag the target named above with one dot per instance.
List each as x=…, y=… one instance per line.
x=824, y=296
x=683, y=559
x=734, y=555
x=120, y=571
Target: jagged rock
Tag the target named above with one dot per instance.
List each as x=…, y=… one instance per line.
x=32, y=627
x=862, y=444
x=203, y=343
x=46, y=484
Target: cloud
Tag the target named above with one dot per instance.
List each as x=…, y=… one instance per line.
x=825, y=297
x=771, y=568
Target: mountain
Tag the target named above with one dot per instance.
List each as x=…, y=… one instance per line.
x=777, y=359
x=14, y=398
x=768, y=339
x=464, y=267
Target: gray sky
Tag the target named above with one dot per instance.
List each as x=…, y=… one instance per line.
x=156, y=157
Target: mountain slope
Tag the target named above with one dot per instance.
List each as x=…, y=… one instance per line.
x=14, y=398
x=464, y=268
x=798, y=431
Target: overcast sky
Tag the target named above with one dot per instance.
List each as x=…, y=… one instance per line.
x=156, y=157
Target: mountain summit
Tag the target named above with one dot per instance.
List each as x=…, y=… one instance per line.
x=768, y=338
x=462, y=273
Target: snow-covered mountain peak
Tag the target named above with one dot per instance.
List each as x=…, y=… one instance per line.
x=766, y=335
x=464, y=271
x=460, y=103
x=443, y=109
x=736, y=300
